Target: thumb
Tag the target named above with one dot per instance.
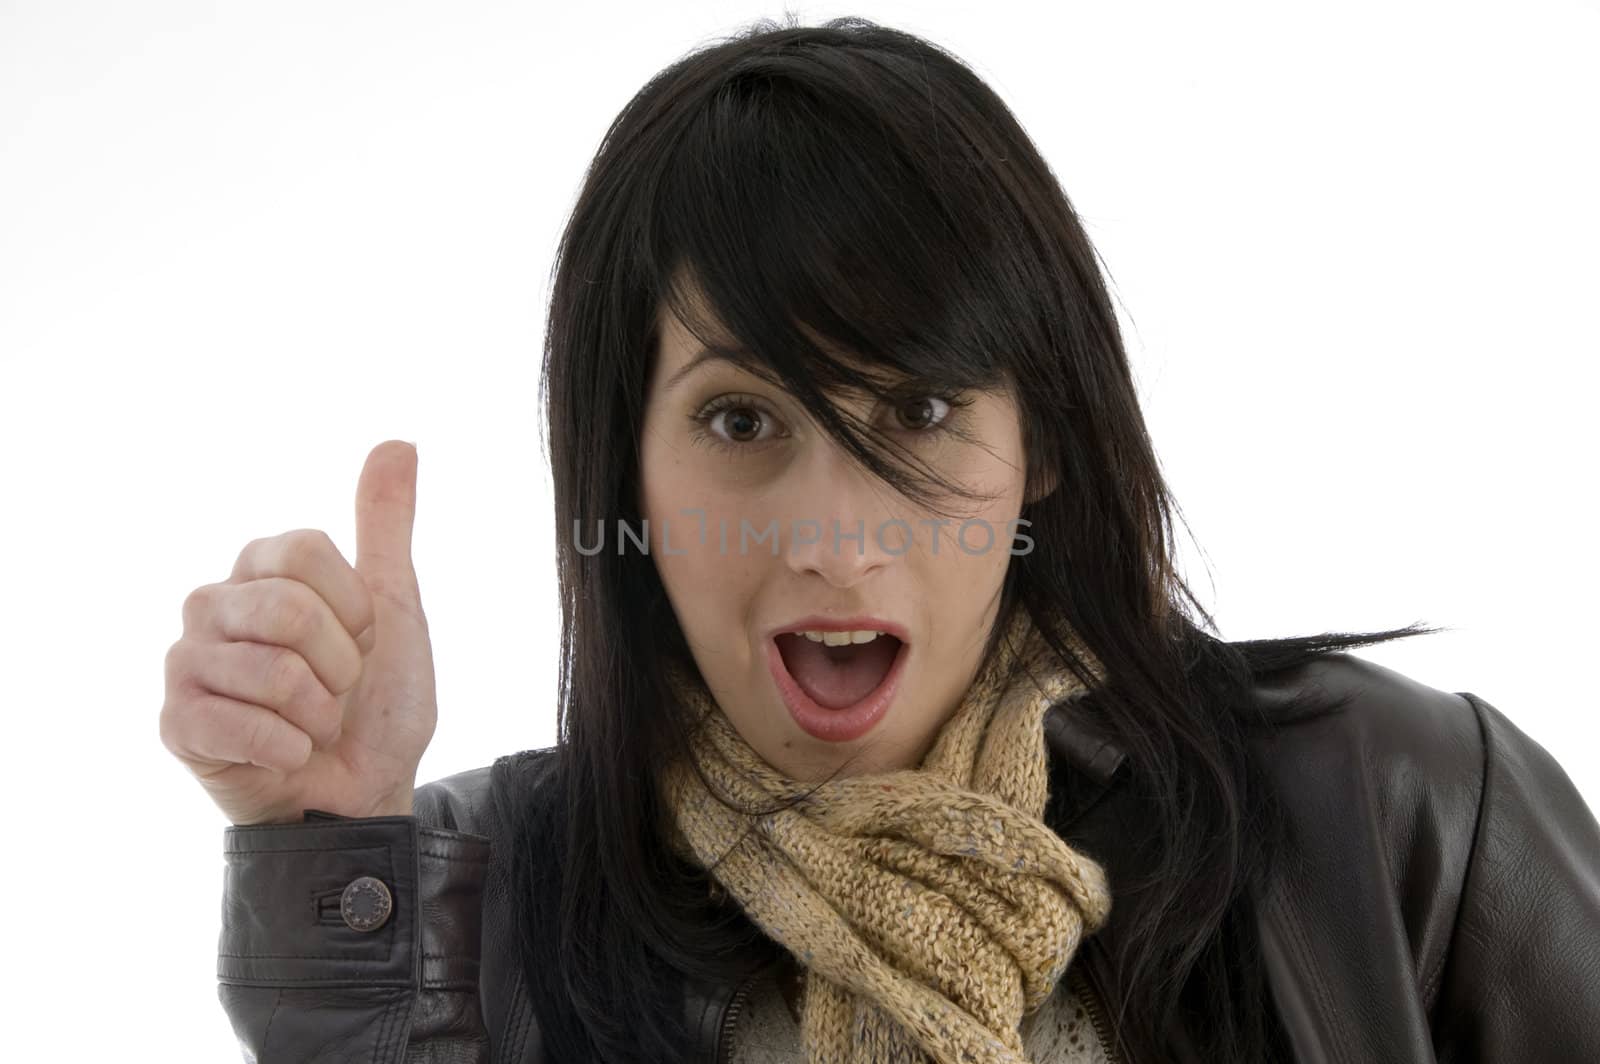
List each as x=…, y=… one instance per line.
x=386, y=508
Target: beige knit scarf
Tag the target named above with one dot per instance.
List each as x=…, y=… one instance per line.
x=931, y=908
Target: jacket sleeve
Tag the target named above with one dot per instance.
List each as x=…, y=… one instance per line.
x=1522, y=982
x=353, y=938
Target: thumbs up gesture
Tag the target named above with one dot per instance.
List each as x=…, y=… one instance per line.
x=303, y=682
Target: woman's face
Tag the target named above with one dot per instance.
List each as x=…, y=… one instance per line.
x=723, y=442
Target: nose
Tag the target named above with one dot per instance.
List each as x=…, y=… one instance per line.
x=843, y=529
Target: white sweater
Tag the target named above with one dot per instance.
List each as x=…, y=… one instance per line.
x=767, y=1030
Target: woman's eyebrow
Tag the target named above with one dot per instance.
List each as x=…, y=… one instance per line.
x=742, y=359
x=735, y=356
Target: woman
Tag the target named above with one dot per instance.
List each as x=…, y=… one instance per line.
x=887, y=731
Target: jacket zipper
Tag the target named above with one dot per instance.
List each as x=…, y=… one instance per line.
x=1090, y=996
x=730, y=1017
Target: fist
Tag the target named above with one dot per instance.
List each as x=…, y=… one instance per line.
x=303, y=682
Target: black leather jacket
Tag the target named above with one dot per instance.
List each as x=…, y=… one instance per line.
x=1441, y=901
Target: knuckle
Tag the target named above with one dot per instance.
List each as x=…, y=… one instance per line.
x=284, y=611
x=302, y=546
x=175, y=662
x=256, y=733
x=178, y=725
x=285, y=674
x=244, y=560
x=167, y=726
x=198, y=605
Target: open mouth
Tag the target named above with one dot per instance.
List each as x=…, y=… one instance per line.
x=837, y=693
x=837, y=677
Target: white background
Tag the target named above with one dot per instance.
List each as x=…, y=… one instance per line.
x=1354, y=247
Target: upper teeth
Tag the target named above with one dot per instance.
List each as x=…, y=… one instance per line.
x=839, y=639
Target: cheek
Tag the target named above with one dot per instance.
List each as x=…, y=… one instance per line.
x=716, y=585
x=974, y=550
x=701, y=567
x=667, y=486
x=970, y=564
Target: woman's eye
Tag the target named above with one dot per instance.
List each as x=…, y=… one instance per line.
x=741, y=424
x=921, y=412
x=734, y=422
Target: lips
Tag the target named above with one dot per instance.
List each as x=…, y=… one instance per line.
x=858, y=682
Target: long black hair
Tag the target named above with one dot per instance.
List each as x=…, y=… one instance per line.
x=792, y=191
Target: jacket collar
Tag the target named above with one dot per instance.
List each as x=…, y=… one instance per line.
x=1084, y=763
x=1076, y=740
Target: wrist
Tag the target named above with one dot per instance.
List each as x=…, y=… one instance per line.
x=397, y=803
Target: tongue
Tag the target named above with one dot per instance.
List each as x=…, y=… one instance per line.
x=837, y=677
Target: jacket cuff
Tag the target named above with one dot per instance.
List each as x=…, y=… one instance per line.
x=351, y=901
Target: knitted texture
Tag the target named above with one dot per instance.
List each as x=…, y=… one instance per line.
x=767, y=1030
x=932, y=908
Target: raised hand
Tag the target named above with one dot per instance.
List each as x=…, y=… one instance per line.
x=303, y=682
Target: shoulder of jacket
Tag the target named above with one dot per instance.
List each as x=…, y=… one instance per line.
x=1388, y=719
x=1354, y=742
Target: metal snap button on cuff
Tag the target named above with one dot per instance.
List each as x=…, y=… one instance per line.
x=366, y=903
